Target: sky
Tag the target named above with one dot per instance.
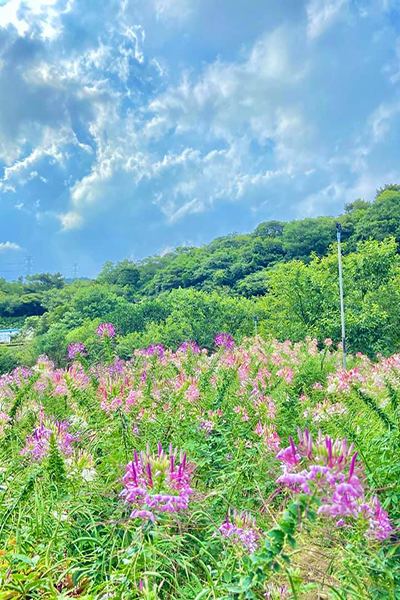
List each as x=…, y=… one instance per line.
x=132, y=127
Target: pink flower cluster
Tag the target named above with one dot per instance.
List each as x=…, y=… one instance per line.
x=224, y=340
x=157, y=483
x=189, y=347
x=106, y=330
x=77, y=349
x=329, y=469
x=155, y=349
x=324, y=410
x=37, y=444
x=241, y=529
x=269, y=436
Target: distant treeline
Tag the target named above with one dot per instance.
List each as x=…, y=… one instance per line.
x=285, y=273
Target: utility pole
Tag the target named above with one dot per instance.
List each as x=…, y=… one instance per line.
x=75, y=270
x=28, y=265
x=339, y=236
x=255, y=324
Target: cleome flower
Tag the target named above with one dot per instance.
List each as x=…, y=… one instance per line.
x=329, y=469
x=188, y=347
x=77, y=349
x=241, y=529
x=224, y=340
x=106, y=330
x=155, y=350
x=81, y=466
x=37, y=445
x=157, y=483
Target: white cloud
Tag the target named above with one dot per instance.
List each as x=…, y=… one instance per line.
x=252, y=95
x=322, y=14
x=5, y=246
x=381, y=119
x=131, y=131
x=44, y=15
x=71, y=220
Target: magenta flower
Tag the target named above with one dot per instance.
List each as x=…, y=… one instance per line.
x=241, y=529
x=77, y=349
x=224, y=340
x=37, y=444
x=157, y=483
x=329, y=469
x=380, y=527
x=185, y=347
x=155, y=349
x=106, y=330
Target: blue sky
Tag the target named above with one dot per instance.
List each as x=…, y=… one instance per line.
x=130, y=127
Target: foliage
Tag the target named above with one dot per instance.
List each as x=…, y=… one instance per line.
x=303, y=299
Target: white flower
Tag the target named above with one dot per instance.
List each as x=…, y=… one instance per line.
x=88, y=474
x=61, y=516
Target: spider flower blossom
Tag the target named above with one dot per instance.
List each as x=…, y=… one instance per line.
x=189, y=347
x=157, y=483
x=241, y=529
x=76, y=349
x=269, y=436
x=106, y=330
x=38, y=443
x=224, y=340
x=329, y=468
x=155, y=349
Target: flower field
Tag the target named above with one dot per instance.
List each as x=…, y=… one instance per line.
x=260, y=470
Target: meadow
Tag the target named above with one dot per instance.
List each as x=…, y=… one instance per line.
x=259, y=470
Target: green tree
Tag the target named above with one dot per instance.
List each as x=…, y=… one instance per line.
x=304, y=299
x=302, y=238
x=382, y=219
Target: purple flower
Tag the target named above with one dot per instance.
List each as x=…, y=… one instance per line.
x=189, y=346
x=106, y=330
x=241, y=529
x=206, y=426
x=38, y=443
x=77, y=349
x=380, y=527
x=157, y=483
x=329, y=468
x=155, y=349
x=224, y=340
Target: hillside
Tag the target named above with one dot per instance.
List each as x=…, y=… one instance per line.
x=283, y=273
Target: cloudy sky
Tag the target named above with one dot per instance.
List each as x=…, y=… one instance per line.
x=129, y=127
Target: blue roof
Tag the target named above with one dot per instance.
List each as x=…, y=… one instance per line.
x=8, y=330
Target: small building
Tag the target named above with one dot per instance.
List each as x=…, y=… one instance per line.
x=6, y=335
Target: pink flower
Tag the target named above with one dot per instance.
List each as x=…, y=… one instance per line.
x=157, y=483
x=329, y=468
x=241, y=529
x=77, y=349
x=37, y=444
x=224, y=340
x=106, y=330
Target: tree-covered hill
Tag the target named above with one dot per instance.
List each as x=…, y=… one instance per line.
x=237, y=263
x=283, y=273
